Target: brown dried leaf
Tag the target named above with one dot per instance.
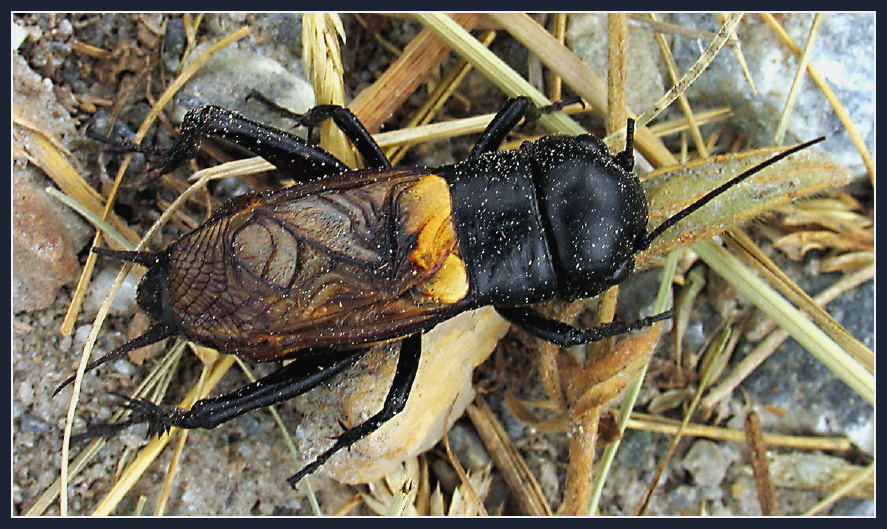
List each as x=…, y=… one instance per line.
x=603, y=378
x=520, y=409
x=796, y=245
x=847, y=261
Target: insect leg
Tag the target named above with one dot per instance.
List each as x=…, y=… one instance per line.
x=566, y=335
x=288, y=153
x=407, y=366
x=290, y=381
x=344, y=119
x=507, y=118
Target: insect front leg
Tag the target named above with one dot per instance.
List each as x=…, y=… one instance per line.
x=344, y=119
x=507, y=118
x=566, y=335
x=407, y=366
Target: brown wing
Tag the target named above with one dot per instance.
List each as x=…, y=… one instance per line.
x=341, y=265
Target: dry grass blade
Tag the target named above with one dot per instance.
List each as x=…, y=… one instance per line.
x=376, y=103
x=811, y=337
x=675, y=126
x=746, y=249
x=672, y=68
x=779, y=135
x=758, y=455
x=495, y=69
x=694, y=72
x=766, y=347
x=839, y=109
x=322, y=57
x=517, y=475
x=149, y=452
x=740, y=57
x=650, y=423
x=862, y=476
x=474, y=506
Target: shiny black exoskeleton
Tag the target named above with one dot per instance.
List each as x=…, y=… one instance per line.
x=560, y=217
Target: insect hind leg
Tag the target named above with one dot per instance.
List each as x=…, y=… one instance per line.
x=343, y=118
x=565, y=335
x=290, y=381
x=407, y=366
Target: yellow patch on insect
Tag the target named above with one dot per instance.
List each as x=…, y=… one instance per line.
x=429, y=216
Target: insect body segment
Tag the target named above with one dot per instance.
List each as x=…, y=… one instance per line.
x=320, y=271
x=330, y=266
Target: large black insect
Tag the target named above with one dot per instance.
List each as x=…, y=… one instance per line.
x=320, y=271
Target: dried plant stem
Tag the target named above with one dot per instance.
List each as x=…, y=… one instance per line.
x=740, y=57
x=745, y=248
x=811, y=337
x=829, y=94
x=617, y=72
x=863, y=475
x=377, y=102
x=672, y=29
x=517, y=475
x=757, y=449
x=804, y=60
x=446, y=129
x=467, y=487
x=582, y=442
x=766, y=347
x=652, y=423
x=672, y=68
x=694, y=72
x=559, y=32
x=625, y=412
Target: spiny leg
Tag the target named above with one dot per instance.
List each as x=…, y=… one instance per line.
x=407, y=366
x=508, y=117
x=292, y=380
x=566, y=335
x=288, y=153
x=343, y=118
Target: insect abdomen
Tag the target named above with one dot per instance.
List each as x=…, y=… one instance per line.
x=338, y=267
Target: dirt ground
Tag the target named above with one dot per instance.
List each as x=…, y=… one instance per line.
x=75, y=71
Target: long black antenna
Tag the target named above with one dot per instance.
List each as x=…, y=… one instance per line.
x=677, y=217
